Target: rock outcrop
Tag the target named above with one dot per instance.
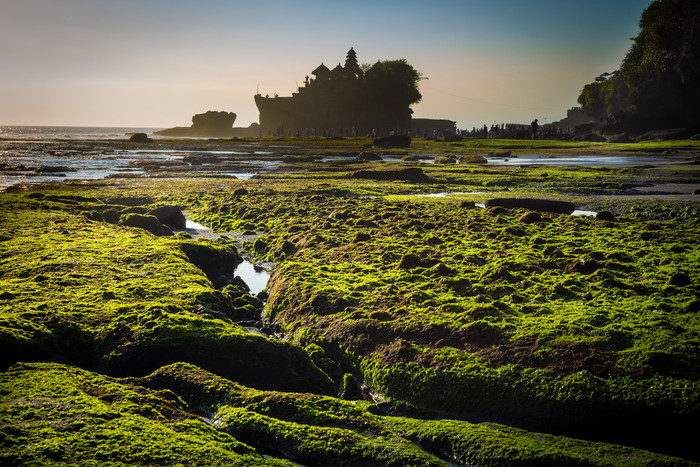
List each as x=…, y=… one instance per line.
x=533, y=204
x=211, y=124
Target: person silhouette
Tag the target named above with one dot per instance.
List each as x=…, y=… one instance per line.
x=534, y=127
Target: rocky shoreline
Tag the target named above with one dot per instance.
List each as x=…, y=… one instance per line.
x=395, y=330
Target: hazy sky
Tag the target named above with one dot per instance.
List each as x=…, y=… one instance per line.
x=155, y=63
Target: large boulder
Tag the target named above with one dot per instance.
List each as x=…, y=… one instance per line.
x=140, y=138
x=368, y=157
x=665, y=134
x=411, y=174
x=146, y=222
x=396, y=141
x=591, y=138
x=217, y=261
x=214, y=121
x=170, y=215
x=621, y=138
x=533, y=204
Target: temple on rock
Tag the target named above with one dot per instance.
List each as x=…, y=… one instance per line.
x=346, y=100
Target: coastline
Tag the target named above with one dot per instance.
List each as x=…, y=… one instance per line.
x=395, y=328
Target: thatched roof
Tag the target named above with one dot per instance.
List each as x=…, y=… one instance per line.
x=321, y=70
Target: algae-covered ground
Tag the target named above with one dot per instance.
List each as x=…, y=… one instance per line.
x=405, y=324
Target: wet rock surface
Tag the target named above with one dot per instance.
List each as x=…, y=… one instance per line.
x=574, y=325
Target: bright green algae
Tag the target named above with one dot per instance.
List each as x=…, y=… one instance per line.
x=121, y=300
x=492, y=320
x=569, y=322
x=181, y=415
x=55, y=414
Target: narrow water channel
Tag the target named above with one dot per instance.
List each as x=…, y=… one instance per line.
x=254, y=276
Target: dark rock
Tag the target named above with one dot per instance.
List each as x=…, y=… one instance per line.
x=446, y=160
x=530, y=217
x=208, y=312
x=409, y=159
x=585, y=265
x=533, y=204
x=240, y=192
x=260, y=246
x=583, y=129
x=238, y=281
x=696, y=192
x=368, y=157
x=288, y=248
x=605, y=216
x=140, y=138
x=199, y=159
x=259, y=363
x=500, y=154
x=211, y=123
x=171, y=215
x=679, y=279
x=6, y=296
x=129, y=200
x=396, y=141
x=442, y=270
x=472, y=159
x=496, y=210
x=215, y=261
x=410, y=261
x=146, y=222
x=597, y=255
x=412, y=174
x=621, y=138
x=247, y=323
x=362, y=237
x=591, y=137
x=467, y=205
x=561, y=291
x=214, y=122
x=193, y=160
x=665, y=134
x=263, y=296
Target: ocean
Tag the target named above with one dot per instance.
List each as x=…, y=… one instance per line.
x=68, y=132
x=28, y=156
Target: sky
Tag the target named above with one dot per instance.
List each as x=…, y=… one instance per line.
x=156, y=63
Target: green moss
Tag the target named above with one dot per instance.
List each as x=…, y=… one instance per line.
x=104, y=296
x=564, y=324
x=54, y=414
x=579, y=300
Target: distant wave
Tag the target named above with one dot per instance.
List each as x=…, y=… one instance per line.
x=69, y=132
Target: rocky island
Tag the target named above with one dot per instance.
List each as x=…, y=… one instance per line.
x=210, y=124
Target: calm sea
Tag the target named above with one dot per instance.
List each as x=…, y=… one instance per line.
x=69, y=132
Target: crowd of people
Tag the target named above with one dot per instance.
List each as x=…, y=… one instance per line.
x=503, y=130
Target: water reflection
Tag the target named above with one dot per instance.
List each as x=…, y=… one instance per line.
x=255, y=277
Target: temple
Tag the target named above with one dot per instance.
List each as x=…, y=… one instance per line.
x=345, y=100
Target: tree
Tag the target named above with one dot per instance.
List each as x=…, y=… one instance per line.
x=601, y=98
x=660, y=75
x=394, y=82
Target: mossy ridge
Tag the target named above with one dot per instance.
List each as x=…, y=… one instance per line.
x=493, y=444
x=56, y=414
x=330, y=278
x=327, y=431
x=352, y=230
x=121, y=300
